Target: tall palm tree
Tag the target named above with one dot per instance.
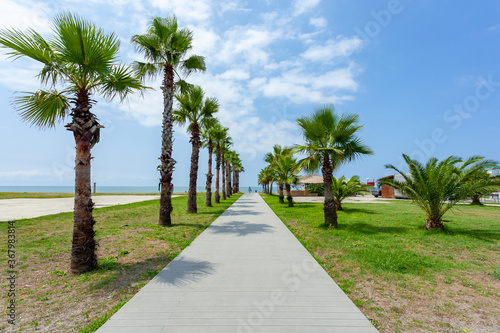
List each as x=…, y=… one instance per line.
x=330, y=140
x=231, y=159
x=165, y=48
x=219, y=136
x=194, y=110
x=286, y=170
x=208, y=133
x=81, y=59
x=342, y=189
x=438, y=186
x=224, y=149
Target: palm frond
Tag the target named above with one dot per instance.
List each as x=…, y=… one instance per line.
x=121, y=82
x=42, y=108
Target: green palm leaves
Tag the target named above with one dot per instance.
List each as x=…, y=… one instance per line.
x=165, y=44
x=437, y=186
x=79, y=56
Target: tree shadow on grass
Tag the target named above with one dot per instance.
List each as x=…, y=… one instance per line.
x=357, y=210
x=367, y=229
x=488, y=236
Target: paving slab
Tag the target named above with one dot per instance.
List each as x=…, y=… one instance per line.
x=16, y=209
x=244, y=273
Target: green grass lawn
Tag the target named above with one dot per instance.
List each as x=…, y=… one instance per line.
x=403, y=277
x=132, y=250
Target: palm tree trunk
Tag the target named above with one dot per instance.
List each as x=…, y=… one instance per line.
x=208, y=188
x=234, y=181
x=193, y=173
x=223, y=178
x=85, y=130
x=289, y=195
x=167, y=163
x=329, y=205
x=228, y=179
x=217, y=180
x=338, y=205
x=280, y=193
x=475, y=200
x=271, y=190
x=433, y=224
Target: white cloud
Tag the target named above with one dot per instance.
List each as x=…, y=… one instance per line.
x=302, y=6
x=318, y=22
x=187, y=10
x=248, y=44
x=301, y=87
x=235, y=74
x=340, y=47
x=25, y=14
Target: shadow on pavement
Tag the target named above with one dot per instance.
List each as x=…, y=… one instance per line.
x=182, y=272
x=241, y=228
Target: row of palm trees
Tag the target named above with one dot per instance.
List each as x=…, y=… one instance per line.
x=80, y=60
x=330, y=141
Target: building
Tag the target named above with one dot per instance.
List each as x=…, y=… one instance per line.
x=391, y=193
x=494, y=172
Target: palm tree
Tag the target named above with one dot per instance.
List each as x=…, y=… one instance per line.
x=165, y=48
x=437, y=186
x=193, y=110
x=272, y=159
x=219, y=136
x=343, y=189
x=483, y=176
x=81, y=59
x=207, y=133
x=330, y=141
x=224, y=149
x=286, y=170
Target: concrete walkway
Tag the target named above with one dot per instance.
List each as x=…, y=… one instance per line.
x=245, y=273
x=16, y=209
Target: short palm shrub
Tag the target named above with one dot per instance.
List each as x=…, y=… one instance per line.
x=437, y=186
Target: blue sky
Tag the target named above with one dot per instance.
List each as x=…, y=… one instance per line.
x=424, y=77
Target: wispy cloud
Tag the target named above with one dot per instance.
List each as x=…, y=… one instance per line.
x=333, y=48
x=302, y=6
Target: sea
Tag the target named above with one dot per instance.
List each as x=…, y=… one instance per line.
x=108, y=189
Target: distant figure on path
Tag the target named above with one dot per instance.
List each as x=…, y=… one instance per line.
x=249, y=189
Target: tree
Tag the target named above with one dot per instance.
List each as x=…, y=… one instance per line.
x=330, y=140
x=224, y=149
x=195, y=111
x=165, y=48
x=437, y=186
x=343, y=189
x=286, y=172
x=81, y=59
x=272, y=159
x=208, y=133
x=484, y=177
x=219, y=136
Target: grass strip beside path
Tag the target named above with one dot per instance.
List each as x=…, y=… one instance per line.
x=402, y=277
x=132, y=250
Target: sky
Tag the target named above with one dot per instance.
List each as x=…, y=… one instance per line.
x=423, y=76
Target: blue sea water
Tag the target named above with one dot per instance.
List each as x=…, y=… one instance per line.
x=104, y=189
